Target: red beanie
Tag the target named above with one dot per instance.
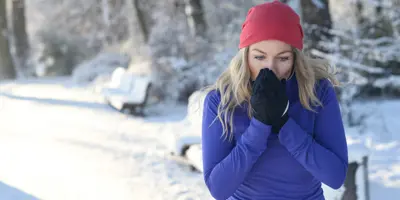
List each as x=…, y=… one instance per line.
x=272, y=20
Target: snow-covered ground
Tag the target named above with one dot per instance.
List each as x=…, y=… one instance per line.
x=381, y=137
x=59, y=142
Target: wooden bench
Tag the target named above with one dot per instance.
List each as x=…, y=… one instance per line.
x=127, y=92
x=181, y=142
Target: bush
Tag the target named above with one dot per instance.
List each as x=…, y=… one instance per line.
x=57, y=54
x=101, y=65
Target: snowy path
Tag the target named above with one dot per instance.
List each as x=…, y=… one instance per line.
x=61, y=143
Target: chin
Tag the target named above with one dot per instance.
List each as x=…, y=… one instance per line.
x=285, y=77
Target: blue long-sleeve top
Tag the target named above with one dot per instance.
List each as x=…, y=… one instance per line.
x=310, y=149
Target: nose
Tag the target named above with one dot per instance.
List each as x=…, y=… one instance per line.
x=272, y=68
x=269, y=63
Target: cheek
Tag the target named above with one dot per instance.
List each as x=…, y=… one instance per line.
x=254, y=67
x=284, y=71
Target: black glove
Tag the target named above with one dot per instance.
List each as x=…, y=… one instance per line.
x=258, y=99
x=277, y=127
x=269, y=100
x=277, y=101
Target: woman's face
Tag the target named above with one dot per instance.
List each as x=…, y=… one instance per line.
x=272, y=54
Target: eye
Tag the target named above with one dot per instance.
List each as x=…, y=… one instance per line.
x=259, y=57
x=283, y=59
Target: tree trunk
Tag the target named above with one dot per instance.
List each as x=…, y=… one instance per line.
x=7, y=70
x=378, y=7
x=106, y=12
x=115, y=21
x=21, y=41
x=141, y=21
x=395, y=13
x=317, y=22
x=195, y=18
x=359, y=14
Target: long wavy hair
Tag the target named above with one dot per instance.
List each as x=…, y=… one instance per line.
x=235, y=88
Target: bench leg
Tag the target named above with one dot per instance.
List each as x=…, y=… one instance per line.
x=140, y=110
x=350, y=186
x=134, y=110
x=126, y=109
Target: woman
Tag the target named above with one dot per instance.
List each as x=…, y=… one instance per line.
x=277, y=113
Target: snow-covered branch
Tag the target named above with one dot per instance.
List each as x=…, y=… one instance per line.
x=347, y=63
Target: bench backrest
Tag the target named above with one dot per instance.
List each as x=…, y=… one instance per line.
x=126, y=82
x=116, y=77
x=139, y=88
x=195, y=109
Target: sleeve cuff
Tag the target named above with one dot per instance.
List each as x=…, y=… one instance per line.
x=292, y=136
x=257, y=134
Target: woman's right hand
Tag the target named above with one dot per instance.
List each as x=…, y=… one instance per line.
x=258, y=99
x=268, y=106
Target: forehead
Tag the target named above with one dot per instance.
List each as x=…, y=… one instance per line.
x=271, y=46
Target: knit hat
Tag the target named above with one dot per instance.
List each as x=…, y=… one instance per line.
x=272, y=20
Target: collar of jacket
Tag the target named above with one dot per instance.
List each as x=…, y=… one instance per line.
x=292, y=88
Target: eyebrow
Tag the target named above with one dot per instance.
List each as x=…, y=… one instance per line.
x=277, y=54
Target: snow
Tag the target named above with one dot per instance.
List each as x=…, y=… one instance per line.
x=381, y=138
x=62, y=142
x=357, y=149
x=177, y=144
x=318, y=4
x=345, y=62
x=195, y=156
x=391, y=80
x=116, y=78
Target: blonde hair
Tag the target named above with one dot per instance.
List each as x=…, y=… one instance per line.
x=234, y=84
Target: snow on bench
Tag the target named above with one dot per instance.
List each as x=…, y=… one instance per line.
x=115, y=78
x=127, y=92
x=188, y=145
x=181, y=142
x=194, y=156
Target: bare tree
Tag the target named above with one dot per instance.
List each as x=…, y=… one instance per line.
x=140, y=19
x=21, y=41
x=194, y=14
x=117, y=29
x=317, y=21
x=359, y=13
x=7, y=70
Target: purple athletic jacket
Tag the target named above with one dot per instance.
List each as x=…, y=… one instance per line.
x=311, y=148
